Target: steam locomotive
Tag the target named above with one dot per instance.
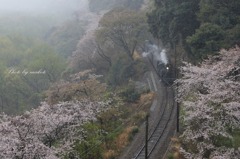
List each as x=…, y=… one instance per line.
x=159, y=60
x=165, y=72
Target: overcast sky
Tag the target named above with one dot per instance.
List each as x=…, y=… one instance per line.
x=42, y=6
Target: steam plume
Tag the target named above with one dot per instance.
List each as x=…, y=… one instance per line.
x=158, y=53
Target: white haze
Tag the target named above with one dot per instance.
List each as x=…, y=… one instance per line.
x=52, y=7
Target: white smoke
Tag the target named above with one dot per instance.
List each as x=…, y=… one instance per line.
x=145, y=54
x=158, y=53
x=163, y=56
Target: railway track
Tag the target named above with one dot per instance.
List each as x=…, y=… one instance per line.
x=160, y=136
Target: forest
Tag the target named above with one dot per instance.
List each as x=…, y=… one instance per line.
x=73, y=79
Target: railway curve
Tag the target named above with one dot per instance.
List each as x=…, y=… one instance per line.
x=162, y=125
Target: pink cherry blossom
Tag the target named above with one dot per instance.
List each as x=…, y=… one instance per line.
x=210, y=97
x=33, y=134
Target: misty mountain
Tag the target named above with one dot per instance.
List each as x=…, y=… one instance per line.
x=43, y=6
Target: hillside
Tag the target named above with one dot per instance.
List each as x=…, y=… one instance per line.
x=80, y=84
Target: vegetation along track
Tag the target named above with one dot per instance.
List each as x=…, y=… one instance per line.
x=160, y=136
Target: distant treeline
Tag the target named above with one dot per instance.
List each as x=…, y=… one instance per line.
x=27, y=67
x=33, y=51
x=96, y=5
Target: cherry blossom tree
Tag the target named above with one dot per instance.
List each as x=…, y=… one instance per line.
x=210, y=97
x=48, y=131
x=82, y=85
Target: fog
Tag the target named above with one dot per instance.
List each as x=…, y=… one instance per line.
x=51, y=7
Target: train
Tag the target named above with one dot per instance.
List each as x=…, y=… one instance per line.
x=158, y=58
x=165, y=72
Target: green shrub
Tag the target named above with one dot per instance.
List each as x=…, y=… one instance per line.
x=170, y=156
x=91, y=146
x=120, y=72
x=129, y=94
x=222, y=141
x=133, y=133
x=236, y=138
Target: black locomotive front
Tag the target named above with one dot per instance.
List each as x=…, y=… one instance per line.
x=165, y=73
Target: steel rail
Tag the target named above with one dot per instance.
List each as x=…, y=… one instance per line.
x=154, y=133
